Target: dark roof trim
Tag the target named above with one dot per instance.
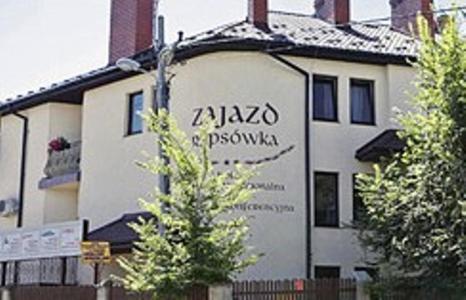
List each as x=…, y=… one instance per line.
x=71, y=93
x=383, y=145
x=120, y=236
x=294, y=50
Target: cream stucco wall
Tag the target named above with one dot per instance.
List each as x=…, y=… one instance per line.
x=401, y=81
x=10, y=153
x=61, y=204
x=224, y=77
x=239, y=83
x=45, y=122
x=65, y=120
x=111, y=182
x=333, y=146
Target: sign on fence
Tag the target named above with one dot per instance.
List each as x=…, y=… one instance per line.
x=42, y=242
x=95, y=252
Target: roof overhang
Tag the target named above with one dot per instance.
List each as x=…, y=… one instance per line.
x=71, y=93
x=385, y=144
x=292, y=49
x=118, y=233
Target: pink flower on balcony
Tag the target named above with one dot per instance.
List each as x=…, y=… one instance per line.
x=58, y=144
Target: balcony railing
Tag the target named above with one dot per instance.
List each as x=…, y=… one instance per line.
x=64, y=162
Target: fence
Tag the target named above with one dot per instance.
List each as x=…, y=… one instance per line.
x=414, y=289
x=416, y=294
x=45, y=271
x=325, y=289
x=119, y=293
x=53, y=293
x=319, y=289
x=87, y=293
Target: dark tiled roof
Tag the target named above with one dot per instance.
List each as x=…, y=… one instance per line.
x=382, y=145
x=290, y=33
x=118, y=233
x=299, y=30
x=57, y=86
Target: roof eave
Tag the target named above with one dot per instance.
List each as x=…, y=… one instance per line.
x=73, y=92
x=297, y=50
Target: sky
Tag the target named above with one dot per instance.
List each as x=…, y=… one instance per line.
x=46, y=41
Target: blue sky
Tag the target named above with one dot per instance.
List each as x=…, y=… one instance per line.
x=44, y=41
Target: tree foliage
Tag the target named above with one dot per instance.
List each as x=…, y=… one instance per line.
x=415, y=218
x=193, y=239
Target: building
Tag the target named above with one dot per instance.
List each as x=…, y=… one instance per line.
x=311, y=97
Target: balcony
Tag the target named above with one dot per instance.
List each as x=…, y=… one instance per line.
x=63, y=168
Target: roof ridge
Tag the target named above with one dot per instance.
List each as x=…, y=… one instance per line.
x=292, y=13
x=356, y=22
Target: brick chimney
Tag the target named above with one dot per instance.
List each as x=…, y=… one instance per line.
x=404, y=14
x=130, y=27
x=333, y=11
x=258, y=13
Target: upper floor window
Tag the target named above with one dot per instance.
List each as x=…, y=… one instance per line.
x=325, y=98
x=362, y=102
x=326, y=199
x=135, y=108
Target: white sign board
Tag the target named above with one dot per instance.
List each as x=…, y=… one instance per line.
x=259, y=109
x=54, y=240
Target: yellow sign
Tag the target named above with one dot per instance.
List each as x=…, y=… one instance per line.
x=95, y=252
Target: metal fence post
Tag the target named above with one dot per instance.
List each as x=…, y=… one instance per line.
x=361, y=291
x=5, y=294
x=221, y=292
x=104, y=291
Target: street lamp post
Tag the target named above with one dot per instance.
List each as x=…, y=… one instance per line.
x=164, y=55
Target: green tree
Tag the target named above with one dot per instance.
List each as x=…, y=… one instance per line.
x=414, y=202
x=193, y=239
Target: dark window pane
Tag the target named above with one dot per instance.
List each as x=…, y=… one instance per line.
x=362, y=102
x=326, y=199
x=324, y=98
x=135, y=109
x=327, y=272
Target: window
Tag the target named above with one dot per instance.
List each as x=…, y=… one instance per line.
x=325, y=98
x=362, y=102
x=326, y=199
x=135, y=108
x=358, y=205
x=326, y=272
